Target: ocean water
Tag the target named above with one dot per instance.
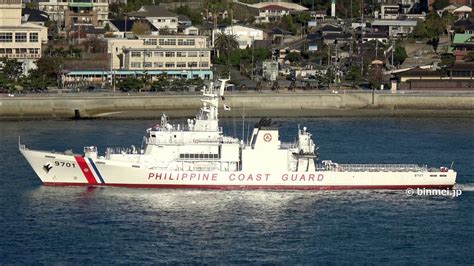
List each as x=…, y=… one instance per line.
x=46, y=225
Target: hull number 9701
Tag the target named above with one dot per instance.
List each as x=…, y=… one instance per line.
x=65, y=164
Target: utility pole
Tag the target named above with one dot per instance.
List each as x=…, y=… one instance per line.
x=253, y=48
x=376, y=49
x=393, y=48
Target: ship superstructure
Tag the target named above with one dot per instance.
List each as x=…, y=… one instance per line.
x=197, y=154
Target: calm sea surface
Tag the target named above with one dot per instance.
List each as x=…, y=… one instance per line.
x=40, y=224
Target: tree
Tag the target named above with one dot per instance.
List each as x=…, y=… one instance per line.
x=141, y=28
x=399, y=55
x=12, y=69
x=225, y=43
x=94, y=45
x=353, y=75
x=432, y=27
x=470, y=56
x=293, y=57
x=440, y=4
x=194, y=15
x=130, y=84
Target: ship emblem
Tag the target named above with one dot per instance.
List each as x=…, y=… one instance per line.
x=267, y=137
x=47, y=167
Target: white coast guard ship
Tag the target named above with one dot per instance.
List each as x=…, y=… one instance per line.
x=199, y=155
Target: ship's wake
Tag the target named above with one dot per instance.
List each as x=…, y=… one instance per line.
x=465, y=187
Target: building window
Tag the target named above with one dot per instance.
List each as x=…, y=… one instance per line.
x=167, y=41
x=136, y=64
x=192, y=64
x=180, y=54
x=33, y=37
x=169, y=54
x=181, y=64
x=158, y=54
x=136, y=54
x=33, y=50
x=21, y=37
x=169, y=64
x=186, y=42
x=150, y=42
x=204, y=64
x=148, y=54
x=147, y=64
x=6, y=37
x=158, y=64
x=203, y=54
x=192, y=54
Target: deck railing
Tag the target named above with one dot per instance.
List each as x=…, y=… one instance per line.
x=376, y=167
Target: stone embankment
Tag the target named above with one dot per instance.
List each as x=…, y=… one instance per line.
x=250, y=104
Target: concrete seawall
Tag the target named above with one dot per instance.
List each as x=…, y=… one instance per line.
x=285, y=104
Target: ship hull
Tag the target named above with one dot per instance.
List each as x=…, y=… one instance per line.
x=74, y=170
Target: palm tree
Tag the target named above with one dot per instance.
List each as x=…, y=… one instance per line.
x=225, y=43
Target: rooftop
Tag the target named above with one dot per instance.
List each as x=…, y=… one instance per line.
x=126, y=25
x=34, y=15
x=463, y=66
x=417, y=71
x=387, y=22
x=152, y=11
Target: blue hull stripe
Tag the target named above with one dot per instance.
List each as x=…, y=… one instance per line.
x=96, y=170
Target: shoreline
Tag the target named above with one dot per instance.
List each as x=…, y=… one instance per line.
x=248, y=104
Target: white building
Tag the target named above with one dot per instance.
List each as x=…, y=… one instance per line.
x=17, y=40
x=244, y=35
x=159, y=16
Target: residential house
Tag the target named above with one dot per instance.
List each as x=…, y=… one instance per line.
x=389, y=11
x=461, y=25
x=123, y=28
x=190, y=30
x=184, y=21
x=280, y=36
x=271, y=11
x=460, y=76
x=34, y=16
x=159, y=16
x=318, y=15
x=375, y=36
x=21, y=41
x=79, y=33
x=463, y=43
x=394, y=28
x=453, y=2
x=462, y=12
x=245, y=35
x=337, y=38
x=330, y=29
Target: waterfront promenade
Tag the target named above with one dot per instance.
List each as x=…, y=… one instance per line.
x=250, y=104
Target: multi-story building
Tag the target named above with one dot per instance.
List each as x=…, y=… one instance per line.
x=177, y=56
x=185, y=56
x=17, y=40
x=74, y=12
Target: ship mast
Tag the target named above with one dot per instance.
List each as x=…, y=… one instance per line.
x=207, y=119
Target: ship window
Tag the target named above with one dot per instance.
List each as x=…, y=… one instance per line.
x=175, y=136
x=442, y=175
